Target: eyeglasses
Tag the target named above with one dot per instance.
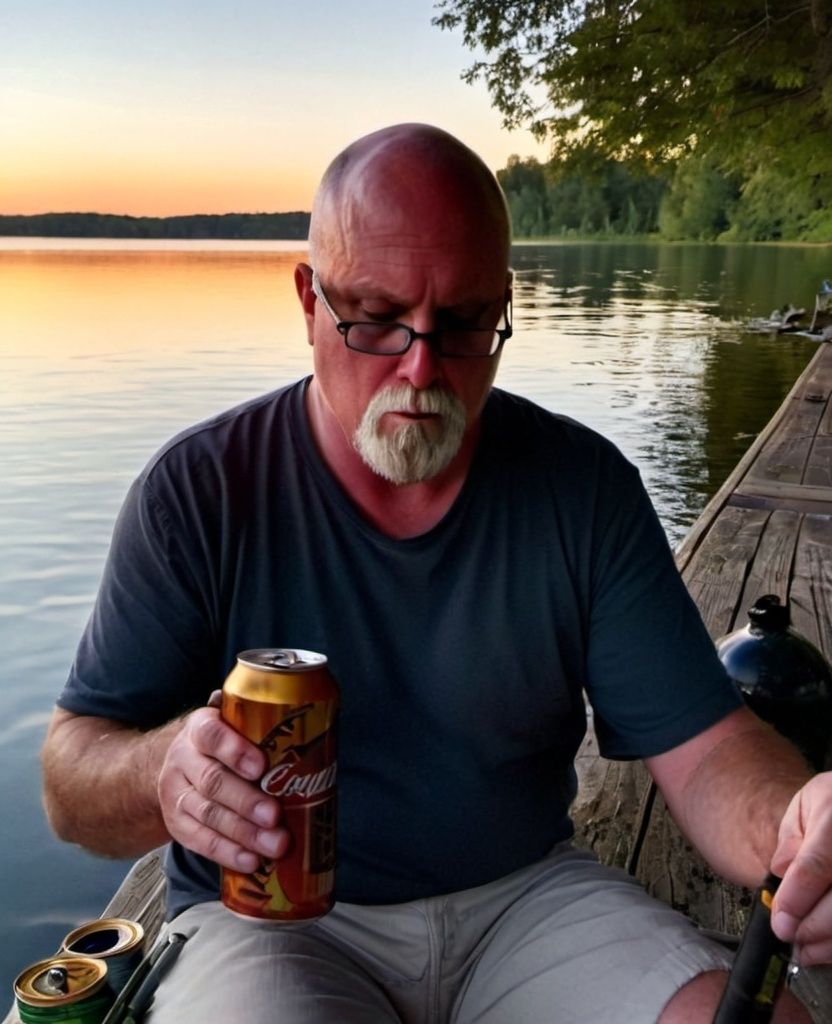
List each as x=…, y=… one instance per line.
x=381, y=339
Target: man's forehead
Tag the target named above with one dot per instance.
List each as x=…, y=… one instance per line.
x=412, y=239
x=408, y=196
x=402, y=250
x=399, y=269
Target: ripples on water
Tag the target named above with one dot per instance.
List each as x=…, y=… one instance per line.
x=633, y=341
x=103, y=355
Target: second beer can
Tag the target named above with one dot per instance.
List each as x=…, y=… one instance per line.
x=286, y=701
x=115, y=939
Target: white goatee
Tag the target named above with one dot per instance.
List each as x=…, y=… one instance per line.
x=408, y=454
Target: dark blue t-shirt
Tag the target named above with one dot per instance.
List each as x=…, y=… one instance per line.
x=462, y=654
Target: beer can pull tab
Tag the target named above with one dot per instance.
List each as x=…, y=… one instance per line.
x=760, y=966
x=285, y=657
x=56, y=979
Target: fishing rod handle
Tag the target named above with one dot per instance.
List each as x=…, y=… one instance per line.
x=760, y=966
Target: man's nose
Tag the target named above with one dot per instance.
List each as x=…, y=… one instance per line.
x=420, y=365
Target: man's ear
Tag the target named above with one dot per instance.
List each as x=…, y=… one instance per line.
x=303, y=286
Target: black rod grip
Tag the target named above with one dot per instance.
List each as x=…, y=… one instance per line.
x=760, y=966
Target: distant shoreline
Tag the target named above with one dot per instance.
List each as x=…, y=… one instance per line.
x=292, y=226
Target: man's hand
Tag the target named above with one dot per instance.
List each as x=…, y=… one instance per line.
x=802, y=911
x=209, y=797
x=749, y=802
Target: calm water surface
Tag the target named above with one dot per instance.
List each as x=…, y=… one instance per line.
x=106, y=350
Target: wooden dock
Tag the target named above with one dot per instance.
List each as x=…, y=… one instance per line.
x=767, y=531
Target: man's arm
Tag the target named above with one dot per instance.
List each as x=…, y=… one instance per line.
x=99, y=783
x=747, y=800
x=119, y=792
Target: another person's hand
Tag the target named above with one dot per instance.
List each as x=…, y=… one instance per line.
x=210, y=799
x=802, y=912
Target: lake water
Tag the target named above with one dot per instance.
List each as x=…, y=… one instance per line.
x=106, y=349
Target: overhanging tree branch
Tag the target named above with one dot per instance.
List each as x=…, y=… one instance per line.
x=653, y=77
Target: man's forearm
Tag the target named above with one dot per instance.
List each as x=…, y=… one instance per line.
x=728, y=793
x=100, y=783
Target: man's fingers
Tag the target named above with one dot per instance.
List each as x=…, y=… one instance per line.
x=802, y=911
x=213, y=737
x=219, y=789
x=813, y=936
x=223, y=835
x=209, y=797
x=803, y=903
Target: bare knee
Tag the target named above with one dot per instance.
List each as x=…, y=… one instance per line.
x=698, y=1000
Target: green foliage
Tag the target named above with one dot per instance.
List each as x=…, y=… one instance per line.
x=774, y=207
x=516, y=33
x=699, y=203
x=101, y=225
x=745, y=85
x=696, y=201
x=553, y=200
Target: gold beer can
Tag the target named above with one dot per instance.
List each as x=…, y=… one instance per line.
x=285, y=700
x=70, y=989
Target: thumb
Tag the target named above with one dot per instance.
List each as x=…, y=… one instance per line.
x=790, y=837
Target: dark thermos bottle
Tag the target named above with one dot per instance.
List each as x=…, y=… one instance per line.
x=783, y=677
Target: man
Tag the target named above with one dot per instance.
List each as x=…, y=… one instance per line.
x=470, y=564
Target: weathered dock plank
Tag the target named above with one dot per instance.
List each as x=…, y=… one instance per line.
x=811, y=584
x=141, y=897
x=772, y=567
x=717, y=572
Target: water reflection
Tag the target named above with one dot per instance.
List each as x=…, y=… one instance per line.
x=646, y=343
x=66, y=305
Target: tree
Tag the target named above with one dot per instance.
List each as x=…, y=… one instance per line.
x=525, y=187
x=550, y=199
x=699, y=202
x=742, y=82
x=773, y=208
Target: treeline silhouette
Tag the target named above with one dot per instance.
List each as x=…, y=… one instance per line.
x=604, y=199
x=263, y=226
x=694, y=200
x=547, y=201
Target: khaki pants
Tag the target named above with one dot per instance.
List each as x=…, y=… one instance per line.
x=563, y=940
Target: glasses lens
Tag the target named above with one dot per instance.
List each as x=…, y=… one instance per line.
x=378, y=339
x=393, y=339
x=471, y=343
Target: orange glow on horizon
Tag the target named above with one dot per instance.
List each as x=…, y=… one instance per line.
x=138, y=195
x=144, y=183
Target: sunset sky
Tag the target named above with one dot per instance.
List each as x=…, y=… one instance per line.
x=212, y=106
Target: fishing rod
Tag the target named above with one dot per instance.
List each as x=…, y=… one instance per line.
x=135, y=998
x=760, y=966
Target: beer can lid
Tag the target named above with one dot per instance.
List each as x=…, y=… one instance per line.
x=282, y=659
x=60, y=981
x=109, y=936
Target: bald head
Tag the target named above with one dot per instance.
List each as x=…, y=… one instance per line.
x=417, y=176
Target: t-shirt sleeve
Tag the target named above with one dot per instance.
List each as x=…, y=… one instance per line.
x=148, y=652
x=654, y=678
